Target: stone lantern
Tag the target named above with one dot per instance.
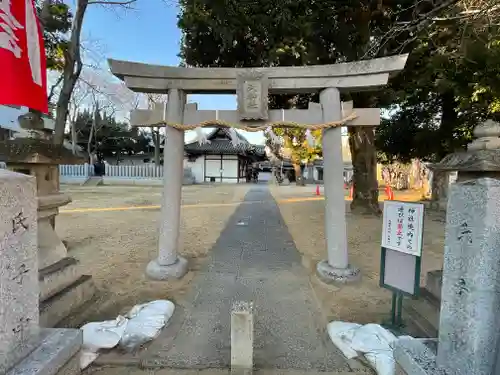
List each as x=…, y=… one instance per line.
x=62, y=287
x=468, y=339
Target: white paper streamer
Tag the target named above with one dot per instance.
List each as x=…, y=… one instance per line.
x=268, y=151
x=201, y=137
x=235, y=140
x=310, y=138
x=274, y=138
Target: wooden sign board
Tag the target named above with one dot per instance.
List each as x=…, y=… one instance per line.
x=402, y=237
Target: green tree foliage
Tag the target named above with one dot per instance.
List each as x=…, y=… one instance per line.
x=236, y=33
x=450, y=84
x=107, y=136
x=57, y=19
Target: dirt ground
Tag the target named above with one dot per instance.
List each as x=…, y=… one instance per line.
x=115, y=246
x=362, y=302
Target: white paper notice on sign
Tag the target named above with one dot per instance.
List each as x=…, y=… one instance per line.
x=403, y=227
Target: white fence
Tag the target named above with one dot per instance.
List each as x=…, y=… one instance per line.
x=77, y=170
x=127, y=174
x=119, y=171
x=134, y=171
x=144, y=174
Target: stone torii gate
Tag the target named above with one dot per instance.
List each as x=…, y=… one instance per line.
x=252, y=86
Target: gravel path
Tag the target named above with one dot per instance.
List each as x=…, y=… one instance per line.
x=254, y=259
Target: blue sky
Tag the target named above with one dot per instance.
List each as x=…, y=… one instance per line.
x=147, y=34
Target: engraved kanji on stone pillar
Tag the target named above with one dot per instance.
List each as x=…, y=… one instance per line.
x=252, y=93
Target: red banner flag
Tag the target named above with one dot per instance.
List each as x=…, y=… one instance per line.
x=23, y=72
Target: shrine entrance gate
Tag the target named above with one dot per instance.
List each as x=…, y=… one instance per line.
x=252, y=86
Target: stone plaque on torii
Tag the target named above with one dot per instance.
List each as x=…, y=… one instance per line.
x=252, y=94
x=252, y=86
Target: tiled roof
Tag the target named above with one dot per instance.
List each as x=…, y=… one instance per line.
x=220, y=143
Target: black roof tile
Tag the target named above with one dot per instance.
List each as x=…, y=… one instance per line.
x=220, y=143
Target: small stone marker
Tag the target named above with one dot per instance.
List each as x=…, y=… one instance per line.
x=242, y=337
x=18, y=268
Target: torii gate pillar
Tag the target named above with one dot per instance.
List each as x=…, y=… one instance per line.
x=336, y=268
x=169, y=264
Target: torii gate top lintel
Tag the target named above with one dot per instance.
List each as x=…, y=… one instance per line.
x=252, y=86
x=352, y=76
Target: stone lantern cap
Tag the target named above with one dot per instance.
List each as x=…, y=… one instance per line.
x=482, y=155
x=36, y=151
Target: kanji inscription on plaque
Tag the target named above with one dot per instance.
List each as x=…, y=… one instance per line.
x=252, y=96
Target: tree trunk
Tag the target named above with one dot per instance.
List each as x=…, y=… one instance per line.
x=427, y=189
x=156, y=140
x=310, y=174
x=439, y=189
x=364, y=162
x=71, y=72
x=91, y=133
x=73, y=137
x=298, y=175
x=449, y=119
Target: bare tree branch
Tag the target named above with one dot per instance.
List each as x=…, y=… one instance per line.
x=73, y=62
x=481, y=13
x=54, y=86
x=104, y=2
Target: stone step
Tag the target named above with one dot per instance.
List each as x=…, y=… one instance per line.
x=57, y=353
x=65, y=302
x=125, y=369
x=434, y=283
x=57, y=276
x=422, y=314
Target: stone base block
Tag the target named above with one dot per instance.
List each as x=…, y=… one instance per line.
x=417, y=357
x=156, y=271
x=72, y=367
x=331, y=275
x=66, y=301
x=57, y=353
x=422, y=314
x=57, y=277
x=50, y=247
x=440, y=205
x=17, y=351
x=241, y=371
x=434, y=283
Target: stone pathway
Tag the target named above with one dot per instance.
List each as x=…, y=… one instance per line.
x=254, y=259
